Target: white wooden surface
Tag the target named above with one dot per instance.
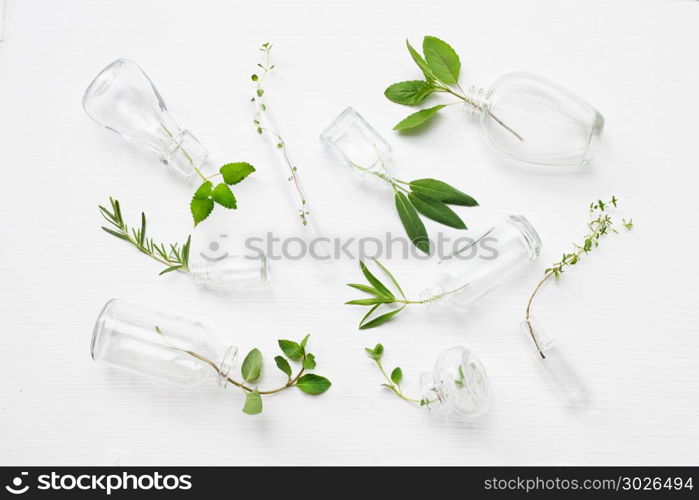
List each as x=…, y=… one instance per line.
x=628, y=314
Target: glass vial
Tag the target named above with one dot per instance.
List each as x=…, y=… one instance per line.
x=124, y=100
x=165, y=347
x=535, y=120
x=457, y=387
x=553, y=361
x=359, y=147
x=482, y=264
x=233, y=272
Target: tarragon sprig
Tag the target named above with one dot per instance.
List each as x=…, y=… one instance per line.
x=600, y=224
x=174, y=256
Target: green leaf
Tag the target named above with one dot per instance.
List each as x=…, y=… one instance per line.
x=436, y=210
x=252, y=366
x=380, y=320
x=374, y=281
x=388, y=273
x=410, y=93
x=366, y=289
x=204, y=191
x=223, y=195
x=304, y=341
x=412, y=223
x=420, y=61
x=170, y=269
x=443, y=192
x=253, y=403
x=396, y=375
x=418, y=118
x=233, y=173
x=375, y=353
x=442, y=59
x=369, y=302
x=313, y=384
x=283, y=365
x=371, y=310
x=291, y=349
x=309, y=362
x=114, y=233
x=201, y=208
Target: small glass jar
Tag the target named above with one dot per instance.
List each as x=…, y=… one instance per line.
x=482, y=264
x=553, y=361
x=458, y=386
x=233, y=272
x=534, y=120
x=165, y=347
x=124, y=100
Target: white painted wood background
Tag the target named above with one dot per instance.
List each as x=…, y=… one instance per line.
x=628, y=314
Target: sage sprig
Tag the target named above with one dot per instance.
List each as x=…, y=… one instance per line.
x=600, y=224
x=427, y=197
x=440, y=67
x=174, y=256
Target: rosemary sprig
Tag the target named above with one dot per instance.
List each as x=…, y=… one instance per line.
x=261, y=127
x=174, y=256
x=600, y=224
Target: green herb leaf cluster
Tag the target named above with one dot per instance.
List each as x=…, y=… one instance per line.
x=393, y=382
x=174, y=256
x=208, y=194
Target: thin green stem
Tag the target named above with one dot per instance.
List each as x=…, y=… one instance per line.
x=395, y=387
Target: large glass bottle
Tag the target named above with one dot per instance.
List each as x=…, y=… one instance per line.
x=124, y=100
x=165, y=347
x=535, y=120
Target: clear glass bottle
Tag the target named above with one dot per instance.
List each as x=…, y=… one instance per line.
x=534, y=120
x=359, y=147
x=483, y=263
x=124, y=100
x=457, y=387
x=161, y=346
x=553, y=361
x=232, y=272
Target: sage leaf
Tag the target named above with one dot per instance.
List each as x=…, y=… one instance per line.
x=291, y=349
x=418, y=118
x=253, y=403
x=223, y=195
x=313, y=384
x=410, y=93
x=201, y=208
x=443, y=192
x=283, y=365
x=204, y=191
x=380, y=320
x=412, y=223
x=375, y=281
x=252, y=366
x=396, y=375
x=233, y=173
x=309, y=362
x=420, y=62
x=436, y=210
x=442, y=59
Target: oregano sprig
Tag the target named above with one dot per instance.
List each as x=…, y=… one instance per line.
x=174, y=256
x=441, y=67
x=600, y=224
x=251, y=371
x=427, y=197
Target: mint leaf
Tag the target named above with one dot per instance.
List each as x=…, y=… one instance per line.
x=203, y=191
x=380, y=320
x=397, y=375
x=253, y=403
x=313, y=384
x=283, y=365
x=409, y=93
x=291, y=349
x=418, y=118
x=436, y=210
x=223, y=195
x=412, y=223
x=252, y=366
x=443, y=192
x=309, y=363
x=201, y=208
x=233, y=173
x=304, y=342
x=420, y=62
x=442, y=59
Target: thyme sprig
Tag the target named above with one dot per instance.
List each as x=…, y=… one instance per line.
x=261, y=127
x=174, y=255
x=600, y=224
